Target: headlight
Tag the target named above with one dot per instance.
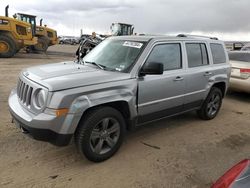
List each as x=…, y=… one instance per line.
x=40, y=99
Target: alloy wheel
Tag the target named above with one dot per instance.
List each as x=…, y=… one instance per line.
x=213, y=104
x=105, y=135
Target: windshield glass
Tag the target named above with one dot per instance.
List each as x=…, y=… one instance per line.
x=116, y=55
x=239, y=56
x=115, y=29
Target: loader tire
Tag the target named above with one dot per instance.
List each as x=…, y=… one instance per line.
x=42, y=45
x=7, y=46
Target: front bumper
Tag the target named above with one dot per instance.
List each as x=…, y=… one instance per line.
x=42, y=127
x=238, y=84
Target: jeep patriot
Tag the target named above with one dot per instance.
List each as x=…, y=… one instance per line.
x=122, y=83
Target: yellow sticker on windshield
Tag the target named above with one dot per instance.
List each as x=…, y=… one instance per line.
x=132, y=44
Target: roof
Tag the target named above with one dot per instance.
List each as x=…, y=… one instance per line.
x=26, y=14
x=123, y=23
x=239, y=52
x=145, y=38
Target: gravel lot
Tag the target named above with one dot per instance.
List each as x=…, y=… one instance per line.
x=180, y=152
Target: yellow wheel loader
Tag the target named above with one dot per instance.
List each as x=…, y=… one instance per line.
x=48, y=32
x=46, y=36
x=14, y=35
x=121, y=29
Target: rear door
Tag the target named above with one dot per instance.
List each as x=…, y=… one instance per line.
x=199, y=73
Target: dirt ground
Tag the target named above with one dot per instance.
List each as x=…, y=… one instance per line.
x=182, y=152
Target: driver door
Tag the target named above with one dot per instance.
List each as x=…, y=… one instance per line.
x=162, y=95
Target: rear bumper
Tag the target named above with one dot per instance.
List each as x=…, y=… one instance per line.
x=238, y=84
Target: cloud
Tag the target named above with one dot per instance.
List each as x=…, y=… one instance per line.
x=74, y=6
x=156, y=17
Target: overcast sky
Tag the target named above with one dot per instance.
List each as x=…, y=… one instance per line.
x=227, y=19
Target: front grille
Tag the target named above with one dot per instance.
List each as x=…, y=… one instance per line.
x=24, y=92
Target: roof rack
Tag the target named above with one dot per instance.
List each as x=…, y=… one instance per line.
x=200, y=36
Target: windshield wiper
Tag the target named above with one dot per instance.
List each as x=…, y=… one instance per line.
x=80, y=61
x=96, y=64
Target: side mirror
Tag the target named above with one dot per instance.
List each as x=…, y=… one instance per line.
x=152, y=68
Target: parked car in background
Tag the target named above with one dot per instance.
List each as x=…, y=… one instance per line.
x=236, y=177
x=69, y=40
x=233, y=45
x=240, y=72
x=246, y=47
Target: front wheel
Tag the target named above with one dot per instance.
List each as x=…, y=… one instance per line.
x=100, y=134
x=7, y=46
x=42, y=44
x=211, y=105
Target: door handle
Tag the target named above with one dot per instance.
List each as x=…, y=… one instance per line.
x=178, y=78
x=208, y=73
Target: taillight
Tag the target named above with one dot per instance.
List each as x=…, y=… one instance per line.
x=231, y=175
x=245, y=73
x=244, y=70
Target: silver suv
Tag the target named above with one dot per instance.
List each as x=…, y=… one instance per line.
x=122, y=83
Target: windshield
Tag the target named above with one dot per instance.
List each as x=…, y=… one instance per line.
x=115, y=29
x=239, y=56
x=116, y=55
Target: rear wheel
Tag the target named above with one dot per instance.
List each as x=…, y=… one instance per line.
x=7, y=46
x=42, y=44
x=211, y=105
x=100, y=134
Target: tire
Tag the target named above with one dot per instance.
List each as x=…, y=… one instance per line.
x=93, y=131
x=7, y=46
x=211, y=105
x=42, y=45
x=18, y=50
x=28, y=49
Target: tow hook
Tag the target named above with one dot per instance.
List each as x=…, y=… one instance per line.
x=24, y=131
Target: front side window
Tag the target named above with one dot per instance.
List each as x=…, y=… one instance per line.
x=218, y=53
x=118, y=55
x=197, y=54
x=167, y=54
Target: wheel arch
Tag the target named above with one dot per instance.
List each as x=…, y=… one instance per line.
x=121, y=105
x=221, y=86
x=10, y=34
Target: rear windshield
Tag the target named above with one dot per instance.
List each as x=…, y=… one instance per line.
x=239, y=56
x=218, y=53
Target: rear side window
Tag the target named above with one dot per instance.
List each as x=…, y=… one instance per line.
x=197, y=54
x=167, y=54
x=239, y=56
x=218, y=53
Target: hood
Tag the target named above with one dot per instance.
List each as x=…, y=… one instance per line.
x=65, y=75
